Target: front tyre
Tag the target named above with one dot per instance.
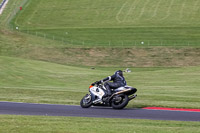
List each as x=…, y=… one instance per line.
x=119, y=101
x=86, y=101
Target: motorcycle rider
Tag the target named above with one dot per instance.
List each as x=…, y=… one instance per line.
x=118, y=81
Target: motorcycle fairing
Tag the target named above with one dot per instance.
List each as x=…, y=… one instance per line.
x=96, y=92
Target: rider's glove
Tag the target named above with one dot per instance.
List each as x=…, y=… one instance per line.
x=98, y=82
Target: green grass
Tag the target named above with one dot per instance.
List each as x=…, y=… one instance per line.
x=42, y=82
x=113, y=22
x=16, y=44
x=32, y=124
x=55, y=67
x=48, y=71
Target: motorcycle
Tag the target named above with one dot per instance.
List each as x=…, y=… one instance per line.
x=118, y=99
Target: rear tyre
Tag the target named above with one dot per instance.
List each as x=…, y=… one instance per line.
x=86, y=101
x=119, y=101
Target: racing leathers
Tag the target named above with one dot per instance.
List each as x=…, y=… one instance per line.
x=118, y=81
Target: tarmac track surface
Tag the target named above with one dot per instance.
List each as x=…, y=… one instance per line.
x=13, y=108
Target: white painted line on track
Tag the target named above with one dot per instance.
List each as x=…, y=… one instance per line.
x=3, y=7
x=36, y=103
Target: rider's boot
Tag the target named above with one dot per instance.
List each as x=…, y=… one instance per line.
x=107, y=95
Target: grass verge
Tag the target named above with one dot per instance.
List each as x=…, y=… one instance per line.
x=32, y=81
x=32, y=124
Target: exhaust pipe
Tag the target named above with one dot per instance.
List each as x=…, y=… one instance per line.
x=120, y=92
x=132, y=97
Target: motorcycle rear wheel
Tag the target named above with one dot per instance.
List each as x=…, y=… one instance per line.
x=119, y=101
x=86, y=101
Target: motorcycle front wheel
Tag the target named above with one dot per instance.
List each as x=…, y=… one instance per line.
x=86, y=101
x=119, y=101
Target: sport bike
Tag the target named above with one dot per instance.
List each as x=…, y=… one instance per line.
x=118, y=99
